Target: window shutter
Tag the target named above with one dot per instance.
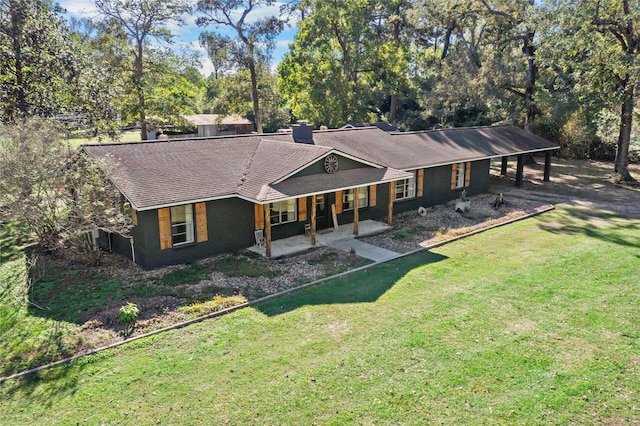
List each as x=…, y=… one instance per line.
x=302, y=209
x=454, y=176
x=201, y=222
x=467, y=174
x=338, y=202
x=164, y=224
x=420, y=182
x=372, y=195
x=134, y=217
x=259, y=216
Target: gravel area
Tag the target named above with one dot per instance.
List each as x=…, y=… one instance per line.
x=289, y=272
x=412, y=231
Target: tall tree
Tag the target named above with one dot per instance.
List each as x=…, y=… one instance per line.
x=515, y=22
x=231, y=94
x=604, y=48
x=346, y=57
x=34, y=163
x=143, y=21
x=218, y=49
x=100, y=60
x=37, y=60
x=457, y=85
x=255, y=39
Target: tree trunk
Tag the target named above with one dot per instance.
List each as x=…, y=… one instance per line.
x=532, y=74
x=254, y=92
x=142, y=115
x=16, y=30
x=624, y=138
x=393, y=108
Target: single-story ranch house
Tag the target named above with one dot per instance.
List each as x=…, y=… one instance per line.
x=195, y=198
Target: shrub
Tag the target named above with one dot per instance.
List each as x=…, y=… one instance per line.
x=128, y=313
x=215, y=304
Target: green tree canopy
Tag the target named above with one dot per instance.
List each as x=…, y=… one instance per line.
x=143, y=21
x=253, y=42
x=347, y=57
x=601, y=42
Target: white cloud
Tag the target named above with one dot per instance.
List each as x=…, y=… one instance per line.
x=79, y=8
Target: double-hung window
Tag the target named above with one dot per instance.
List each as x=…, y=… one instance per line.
x=406, y=188
x=460, y=174
x=181, y=224
x=283, y=212
x=348, y=198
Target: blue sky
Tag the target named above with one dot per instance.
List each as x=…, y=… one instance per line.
x=187, y=36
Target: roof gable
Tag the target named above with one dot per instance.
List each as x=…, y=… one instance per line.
x=260, y=167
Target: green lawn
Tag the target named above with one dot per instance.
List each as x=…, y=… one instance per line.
x=533, y=323
x=125, y=136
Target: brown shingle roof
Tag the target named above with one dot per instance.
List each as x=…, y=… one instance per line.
x=160, y=173
x=305, y=185
x=273, y=160
x=169, y=172
x=431, y=148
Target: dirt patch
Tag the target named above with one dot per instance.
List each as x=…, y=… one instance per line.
x=572, y=181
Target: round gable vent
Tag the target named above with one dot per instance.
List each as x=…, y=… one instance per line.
x=331, y=163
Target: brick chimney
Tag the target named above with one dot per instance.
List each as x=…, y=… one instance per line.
x=302, y=133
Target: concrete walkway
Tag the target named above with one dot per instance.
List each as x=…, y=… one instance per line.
x=362, y=249
x=341, y=239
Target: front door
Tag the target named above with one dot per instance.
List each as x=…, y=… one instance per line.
x=322, y=218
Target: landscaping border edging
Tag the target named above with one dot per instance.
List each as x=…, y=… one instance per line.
x=538, y=211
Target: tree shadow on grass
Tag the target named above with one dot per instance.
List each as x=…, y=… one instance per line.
x=47, y=386
x=361, y=287
x=599, y=224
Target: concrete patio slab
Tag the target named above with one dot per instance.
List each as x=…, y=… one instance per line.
x=300, y=243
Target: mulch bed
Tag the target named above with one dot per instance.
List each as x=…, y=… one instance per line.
x=412, y=231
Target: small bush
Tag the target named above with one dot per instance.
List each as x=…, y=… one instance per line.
x=217, y=303
x=441, y=232
x=326, y=258
x=128, y=313
x=403, y=235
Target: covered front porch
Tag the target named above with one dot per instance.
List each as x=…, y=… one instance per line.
x=299, y=243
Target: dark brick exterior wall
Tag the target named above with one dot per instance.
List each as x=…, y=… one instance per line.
x=231, y=222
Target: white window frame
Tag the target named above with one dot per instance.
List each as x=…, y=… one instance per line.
x=283, y=212
x=347, y=198
x=177, y=223
x=406, y=188
x=460, y=175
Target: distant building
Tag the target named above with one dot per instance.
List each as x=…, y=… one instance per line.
x=379, y=124
x=219, y=125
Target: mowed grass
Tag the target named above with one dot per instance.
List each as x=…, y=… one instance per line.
x=533, y=323
x=125, y=136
